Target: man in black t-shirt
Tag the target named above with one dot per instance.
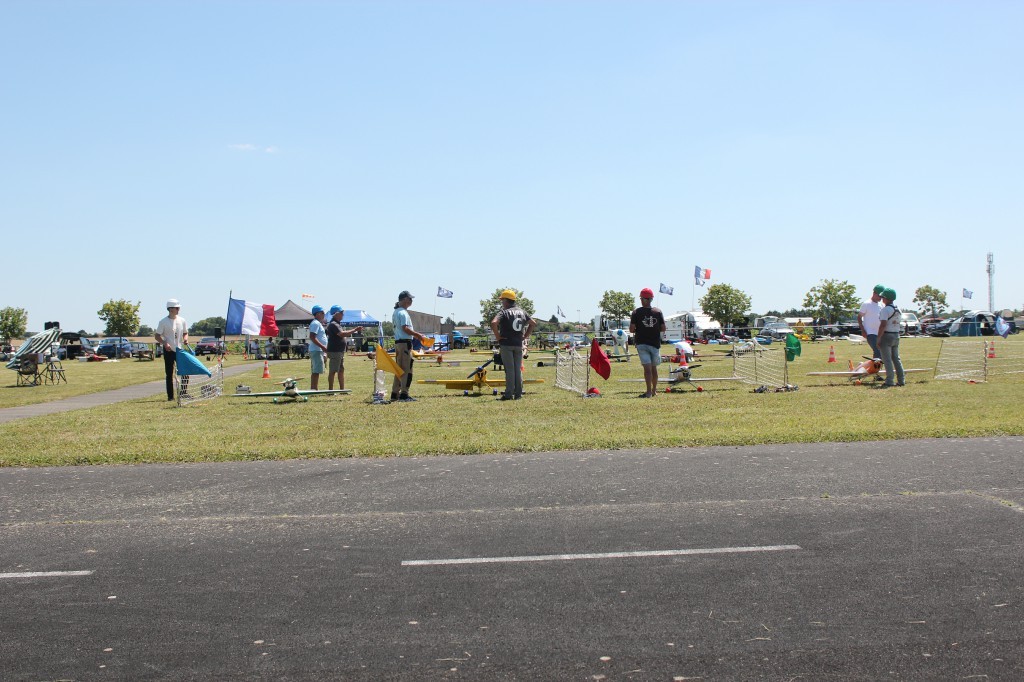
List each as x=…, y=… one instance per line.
x=511, y=327
x=336, y=347
x=647, y=324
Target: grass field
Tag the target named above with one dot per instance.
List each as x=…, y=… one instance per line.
x=445, y=422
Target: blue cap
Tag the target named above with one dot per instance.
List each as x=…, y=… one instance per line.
x=335, y=309
x=318, y=309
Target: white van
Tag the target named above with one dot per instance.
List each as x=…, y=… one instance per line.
x=691, y=324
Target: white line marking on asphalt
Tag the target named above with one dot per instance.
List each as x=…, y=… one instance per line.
x=606, y=555
x=44, y=574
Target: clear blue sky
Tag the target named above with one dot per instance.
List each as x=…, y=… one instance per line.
x=354, y=149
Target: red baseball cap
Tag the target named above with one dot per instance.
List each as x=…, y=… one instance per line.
x=647, y=292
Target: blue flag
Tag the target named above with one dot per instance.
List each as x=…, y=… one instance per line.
x=444, y=293
x=666, y=289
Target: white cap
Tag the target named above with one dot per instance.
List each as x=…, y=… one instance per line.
x=173, y=303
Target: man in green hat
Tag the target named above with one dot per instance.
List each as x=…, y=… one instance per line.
x=890, y=320
x=867, y=318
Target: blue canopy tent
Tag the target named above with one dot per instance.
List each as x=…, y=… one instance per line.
x=357, y=318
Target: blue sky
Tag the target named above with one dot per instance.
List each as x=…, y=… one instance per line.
x=354, y=149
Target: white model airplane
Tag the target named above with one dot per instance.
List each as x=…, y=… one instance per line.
x=290, y=390
x=683, y=375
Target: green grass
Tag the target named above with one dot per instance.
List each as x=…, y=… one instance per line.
x=87, y=377
x=445, y=422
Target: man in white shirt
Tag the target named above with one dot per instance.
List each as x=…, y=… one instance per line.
x=867, y=318
x=172, y=334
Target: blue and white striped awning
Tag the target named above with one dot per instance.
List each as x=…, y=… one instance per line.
x=40, y=343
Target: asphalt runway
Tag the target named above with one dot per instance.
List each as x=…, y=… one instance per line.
x=863, y=561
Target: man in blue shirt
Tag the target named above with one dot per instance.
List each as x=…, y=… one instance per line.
x=317, y=347
x=404, y=334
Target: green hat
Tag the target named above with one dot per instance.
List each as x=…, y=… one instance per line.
x=889, y=294
x=879, y=288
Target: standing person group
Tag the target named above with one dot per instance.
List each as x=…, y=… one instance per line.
x=868, y=318
x=404, y=334
x=646, y=324
x=890, y=321
x=172, y=334
x=512, y=327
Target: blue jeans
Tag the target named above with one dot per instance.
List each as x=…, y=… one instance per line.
x=889, y=347
x=873, y=342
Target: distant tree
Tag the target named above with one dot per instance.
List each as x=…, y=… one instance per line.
x=554, y=320
x=797, y=312
x=205, y=326
x=121, y=317
x=773, y=313
x=13, y=322
x=930, y=300
x=617, y=306
x=724, y=303
x=388, y=328
x=489, y=307
x=449, y=320
x=832, y=299
x=145, y=330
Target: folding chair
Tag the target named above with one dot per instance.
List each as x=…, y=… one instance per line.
x=28, y=372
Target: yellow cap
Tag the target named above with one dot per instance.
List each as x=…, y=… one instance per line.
x=509, y=294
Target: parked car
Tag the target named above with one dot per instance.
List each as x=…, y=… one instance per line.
x=209, y=345
x=776, y=330
x=114, y=347
x=909, y=324
x=940, y=328
x=73, y=345
x=459, y=340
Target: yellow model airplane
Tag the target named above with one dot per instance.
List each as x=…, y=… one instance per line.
x=476, y=381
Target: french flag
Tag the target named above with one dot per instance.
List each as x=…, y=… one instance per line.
x=246, y=317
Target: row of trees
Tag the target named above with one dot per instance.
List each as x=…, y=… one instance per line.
x=830, y=299
x=727, y=305
x=120, y=318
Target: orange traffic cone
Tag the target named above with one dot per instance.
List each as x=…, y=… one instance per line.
x=831, y=354
x=992, y=349
x=266, y=369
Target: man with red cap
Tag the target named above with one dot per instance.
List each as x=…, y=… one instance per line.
x=646, y=324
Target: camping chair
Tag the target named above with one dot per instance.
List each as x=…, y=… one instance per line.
x=28, y=372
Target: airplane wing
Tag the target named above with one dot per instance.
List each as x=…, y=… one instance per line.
x=838, y=374
x=324, y=392
x=252, y=395
x=464, y=384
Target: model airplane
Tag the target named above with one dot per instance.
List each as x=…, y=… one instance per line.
x=682, y=376
x=290, y=390
x=870, y=367
x=476, y=381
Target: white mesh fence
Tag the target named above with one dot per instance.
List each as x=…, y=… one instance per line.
x=961, y=360
x=760, y=365
x=196, y=388
x=1004, y=356
x=572, y=371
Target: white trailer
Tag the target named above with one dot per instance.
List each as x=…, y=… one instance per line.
x=689, y=324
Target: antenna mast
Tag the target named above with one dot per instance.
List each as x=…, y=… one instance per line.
x=991, y=270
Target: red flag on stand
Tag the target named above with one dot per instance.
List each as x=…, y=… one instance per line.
x=599, y=361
